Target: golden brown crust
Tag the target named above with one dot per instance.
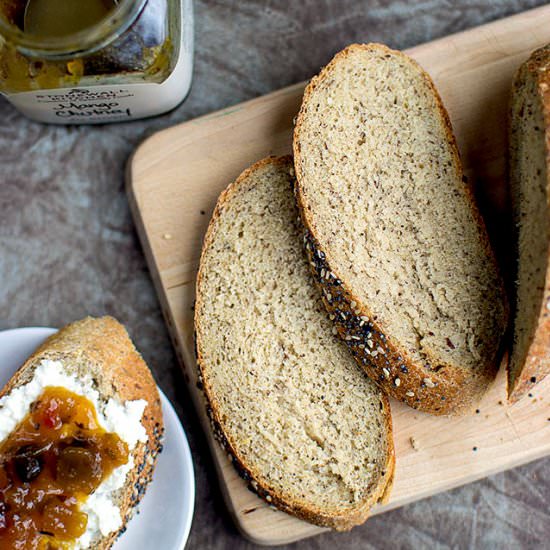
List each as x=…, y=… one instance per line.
x=537, y=362
x=340, y=520
x=448, y=390
x=102, y=349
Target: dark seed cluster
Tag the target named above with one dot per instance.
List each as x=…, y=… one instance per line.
x=367, y=344
x=151, y=450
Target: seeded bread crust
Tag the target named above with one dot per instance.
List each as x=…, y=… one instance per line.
x=537, y=363
x=338, y=520
x=380, y=358
x=101, y=349
x=449, y=390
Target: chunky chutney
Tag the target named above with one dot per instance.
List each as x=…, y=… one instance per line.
x=54, y=459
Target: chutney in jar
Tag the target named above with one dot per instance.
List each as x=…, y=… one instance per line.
x=92, y=61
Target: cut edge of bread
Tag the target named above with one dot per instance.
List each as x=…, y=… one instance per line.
x=537, y=363
x=391, y=368
x=342, y=520
x=101, y=349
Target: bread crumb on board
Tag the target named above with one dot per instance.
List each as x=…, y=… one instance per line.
x=414, y=443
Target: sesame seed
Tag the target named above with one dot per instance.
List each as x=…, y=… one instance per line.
x=374, y=353
x=353, y=304
x=329, y=296
x=385, y=371
x=361, y=323
x=348, y=337
x=410, y=394
x=428, y=382
x=356, y=337
x=322, y=273
x=370, y=343
x=268, y=498
x=380, y=350
x=332, y=316
x=397, y=382
x=334, y=330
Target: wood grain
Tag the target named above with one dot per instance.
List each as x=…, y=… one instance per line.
x=175, y=177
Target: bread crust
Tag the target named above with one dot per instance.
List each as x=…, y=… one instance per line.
x=537, y=362
x=103, y=348
x=340, y=520
x=448, y=391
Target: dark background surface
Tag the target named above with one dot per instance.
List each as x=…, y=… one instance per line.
x=68, y=247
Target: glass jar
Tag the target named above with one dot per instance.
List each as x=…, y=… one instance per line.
x=133, y=63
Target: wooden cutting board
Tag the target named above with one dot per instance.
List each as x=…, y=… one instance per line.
x=175, y=177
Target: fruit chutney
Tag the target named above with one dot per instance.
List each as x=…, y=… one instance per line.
x=52, y=461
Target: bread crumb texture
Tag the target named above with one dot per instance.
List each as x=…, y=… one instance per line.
x=303, y=423
x=529, y=181
x=382, y=192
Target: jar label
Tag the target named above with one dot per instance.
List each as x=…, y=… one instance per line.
x=106, y=103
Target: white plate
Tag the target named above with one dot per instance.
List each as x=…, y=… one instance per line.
x=166, y=511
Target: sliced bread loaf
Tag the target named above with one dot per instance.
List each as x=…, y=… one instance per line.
x=398, y=245
x=307, y=429
x=530, y=186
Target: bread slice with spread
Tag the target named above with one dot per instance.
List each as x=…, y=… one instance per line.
x=302, y=424
x=80, y=430
x=395, y=239
x=530, y=187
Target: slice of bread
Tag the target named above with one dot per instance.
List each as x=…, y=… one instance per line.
x=398, y=245
x=301, y=423
x=530, y=186
x=101, y=349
